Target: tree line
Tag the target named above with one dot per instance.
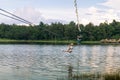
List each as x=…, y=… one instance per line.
x=59, y=31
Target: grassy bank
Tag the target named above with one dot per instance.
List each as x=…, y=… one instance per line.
x=91, y=42
x=62, y=42
x=8, y=41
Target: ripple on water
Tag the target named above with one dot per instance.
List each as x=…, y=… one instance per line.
x=47, y=62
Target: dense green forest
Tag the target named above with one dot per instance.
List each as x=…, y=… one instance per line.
x=59, y=31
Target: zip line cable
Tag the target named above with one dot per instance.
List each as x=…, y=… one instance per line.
x=52, y=32
x=13, y=18
x=30, y=23
x=22, y=20
x=77, y=16
x=17, y=17
x=25, y=22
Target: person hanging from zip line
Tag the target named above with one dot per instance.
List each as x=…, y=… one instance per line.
x=70, y=48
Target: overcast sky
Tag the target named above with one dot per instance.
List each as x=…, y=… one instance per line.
x=95, y=11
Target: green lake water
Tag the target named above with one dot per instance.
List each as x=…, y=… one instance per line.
x=49, y=62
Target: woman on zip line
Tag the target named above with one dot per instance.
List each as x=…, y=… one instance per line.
x=70, y=48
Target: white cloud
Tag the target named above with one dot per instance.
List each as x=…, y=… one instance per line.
x=30, y=14
x=92, y=9
x=35, y=15
x=115, y=4
x=58, y=14
x=98, y=15
x=113, y=9
x=92, y=14
x=27, y=13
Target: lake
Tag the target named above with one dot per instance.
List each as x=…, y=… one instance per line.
x=49, y=62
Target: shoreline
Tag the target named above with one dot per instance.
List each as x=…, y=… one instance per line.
x=53, y=42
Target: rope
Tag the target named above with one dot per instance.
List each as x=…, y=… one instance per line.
x=77, y=16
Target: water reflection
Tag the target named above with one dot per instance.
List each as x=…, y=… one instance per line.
x=95, y=57
x=109, y=60
x=84, y=56
x=48, y=62
x=70, y=71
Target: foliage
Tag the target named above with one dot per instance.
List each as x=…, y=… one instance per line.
x=59, y=31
